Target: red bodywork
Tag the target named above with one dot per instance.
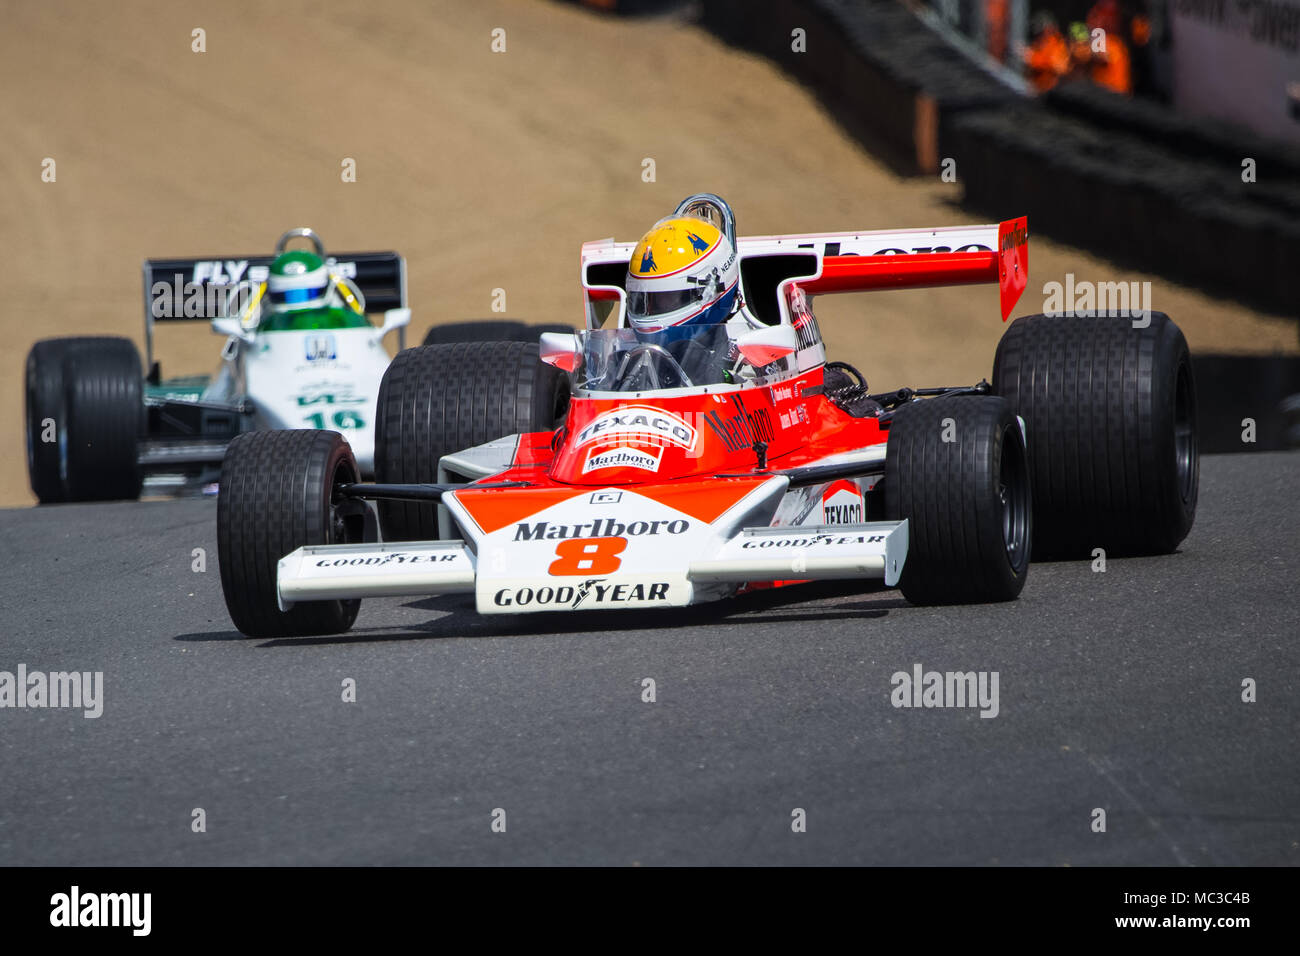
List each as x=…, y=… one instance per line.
x=722, y=428
x=697, y=450
x=702, y=473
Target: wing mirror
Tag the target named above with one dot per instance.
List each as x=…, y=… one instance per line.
x=394, y=319
x=231, y=326
x=765, y=346
x=559, y=349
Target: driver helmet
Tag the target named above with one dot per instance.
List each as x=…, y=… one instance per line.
x=682, y=277
x=297, y=280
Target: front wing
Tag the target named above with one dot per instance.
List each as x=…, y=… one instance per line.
x=583, y=549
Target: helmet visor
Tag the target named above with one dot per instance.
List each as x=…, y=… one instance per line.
x=648, y=304
x=295, y=296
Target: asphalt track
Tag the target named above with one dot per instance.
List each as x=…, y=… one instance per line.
x=1119, y=690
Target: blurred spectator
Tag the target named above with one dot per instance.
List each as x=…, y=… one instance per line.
x=1140, y=28
x=1116, y=58
x=1080, y=51
x=1048, y=56
x=1111, y=65
x=1107, y=15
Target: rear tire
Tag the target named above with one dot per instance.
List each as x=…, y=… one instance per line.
x=440, y=399
x=46, y=417
x=490, y=330
x=1110, y=417
x=966, y=499
x=279, y=494
x=93, y=388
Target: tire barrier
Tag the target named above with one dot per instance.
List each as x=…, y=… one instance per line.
x=1118, y=192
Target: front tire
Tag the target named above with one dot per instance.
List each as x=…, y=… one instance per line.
x=279, y=493
x=1110, y=417
x=955, y=468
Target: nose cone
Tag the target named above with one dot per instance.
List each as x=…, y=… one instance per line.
x=318, y=379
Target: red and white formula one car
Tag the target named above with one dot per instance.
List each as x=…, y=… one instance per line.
x=626, y=471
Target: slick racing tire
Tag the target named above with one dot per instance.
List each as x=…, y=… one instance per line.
x=46, y=459
x=955, y=468
x=490, y=330
x=440, y=399
x=93, y=389
x=279, y=493
x=1110, y=418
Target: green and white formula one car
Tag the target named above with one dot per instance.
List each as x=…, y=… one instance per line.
x=300, y=352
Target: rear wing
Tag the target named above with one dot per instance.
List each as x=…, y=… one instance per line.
x=772, y=266
x=188, y=290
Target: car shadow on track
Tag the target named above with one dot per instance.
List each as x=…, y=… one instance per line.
x=456, y=617
x=204, y=637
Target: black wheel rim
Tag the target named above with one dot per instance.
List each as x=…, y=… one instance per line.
x=1013, y=497
x=1184, y=434
x=346, y=515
